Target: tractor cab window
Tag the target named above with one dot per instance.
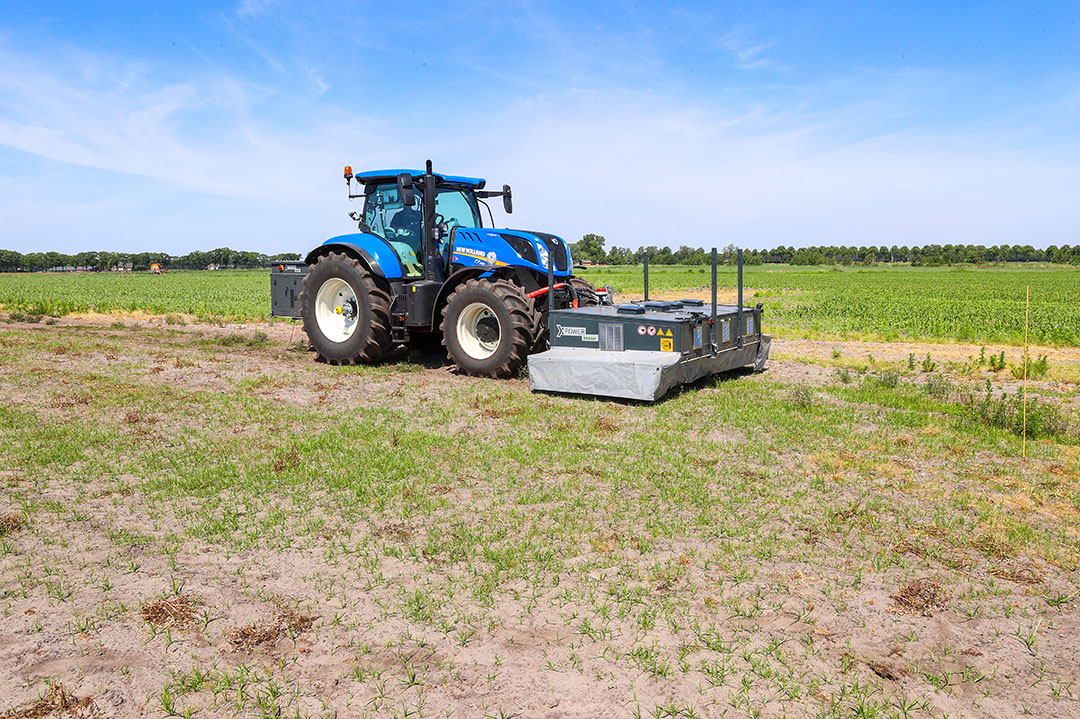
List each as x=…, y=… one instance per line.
x=456, y=208
x=400, y=225
x=403, y=226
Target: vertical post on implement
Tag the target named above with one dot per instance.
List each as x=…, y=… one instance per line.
x=551, y=299
x=712, y=320
x=646, y=259
x=738, y=313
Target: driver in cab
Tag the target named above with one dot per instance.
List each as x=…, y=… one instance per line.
x=409, y=225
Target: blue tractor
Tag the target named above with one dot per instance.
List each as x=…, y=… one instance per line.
x=424, y=270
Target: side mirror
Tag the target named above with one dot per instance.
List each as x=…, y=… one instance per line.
x=405, y=189
x=508, y=202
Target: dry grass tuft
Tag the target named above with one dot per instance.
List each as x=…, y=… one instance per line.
x=491, y=408
x=892, y=671
x=171, y=612
x=141, y=424
x=606, y=424
x=287, y=622
x=907, y=546
x=499, y=412
x=10, y=522
x=56, y=702
x=1019, y=571
x=920, y=597
x=394, y=530
x=289, y=459
x=992, y=547
x=138, y=417
x=933, y=531
x=67, y=402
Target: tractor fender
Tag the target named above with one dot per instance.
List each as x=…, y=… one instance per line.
x=460, y=277
x=373, y=252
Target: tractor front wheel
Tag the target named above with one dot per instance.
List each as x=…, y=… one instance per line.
x=487, y=328
x=586, y=291
x=346, y=314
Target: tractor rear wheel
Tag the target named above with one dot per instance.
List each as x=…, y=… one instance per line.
x=487, y=328
x=346, y=314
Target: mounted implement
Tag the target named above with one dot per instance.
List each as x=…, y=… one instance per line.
x=424, y=270
x=642, y=351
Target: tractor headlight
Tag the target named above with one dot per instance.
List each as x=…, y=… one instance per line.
x=542, y=253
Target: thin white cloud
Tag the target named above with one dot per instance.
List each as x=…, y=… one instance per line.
x=215, y=160
x=251, y=8
x=201, y=134
x=321, y=84
x=748, y=52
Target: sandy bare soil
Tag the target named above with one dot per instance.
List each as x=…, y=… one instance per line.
x=184, y=529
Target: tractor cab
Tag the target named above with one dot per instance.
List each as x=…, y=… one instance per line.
x=398, y=218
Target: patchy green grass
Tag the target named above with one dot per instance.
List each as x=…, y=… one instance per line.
x=455, y=546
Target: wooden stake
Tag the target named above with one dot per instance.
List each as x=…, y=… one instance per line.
x=1027, y=314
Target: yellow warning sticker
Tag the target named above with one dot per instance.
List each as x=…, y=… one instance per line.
x=667, y=332
x=667, y=345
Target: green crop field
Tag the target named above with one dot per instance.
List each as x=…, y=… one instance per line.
x=892, y=303
x=238, y=294
x=977, y=305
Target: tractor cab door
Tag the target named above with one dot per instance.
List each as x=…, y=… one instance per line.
x=401, y=225
x=454, y=208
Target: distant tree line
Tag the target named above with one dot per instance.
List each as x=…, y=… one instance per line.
x=223, y=258
x=590, y=248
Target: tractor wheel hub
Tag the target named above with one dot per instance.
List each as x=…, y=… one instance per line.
x=487, y=329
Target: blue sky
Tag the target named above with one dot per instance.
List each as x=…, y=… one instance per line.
x=180, y=126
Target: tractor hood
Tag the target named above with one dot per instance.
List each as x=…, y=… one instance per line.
x=501, y=247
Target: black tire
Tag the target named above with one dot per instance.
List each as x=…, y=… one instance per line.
x=370, y=339
x=509, y=338
x=586, y=291
x=586, y=294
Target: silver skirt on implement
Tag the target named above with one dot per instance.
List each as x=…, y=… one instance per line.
x=634, y=374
